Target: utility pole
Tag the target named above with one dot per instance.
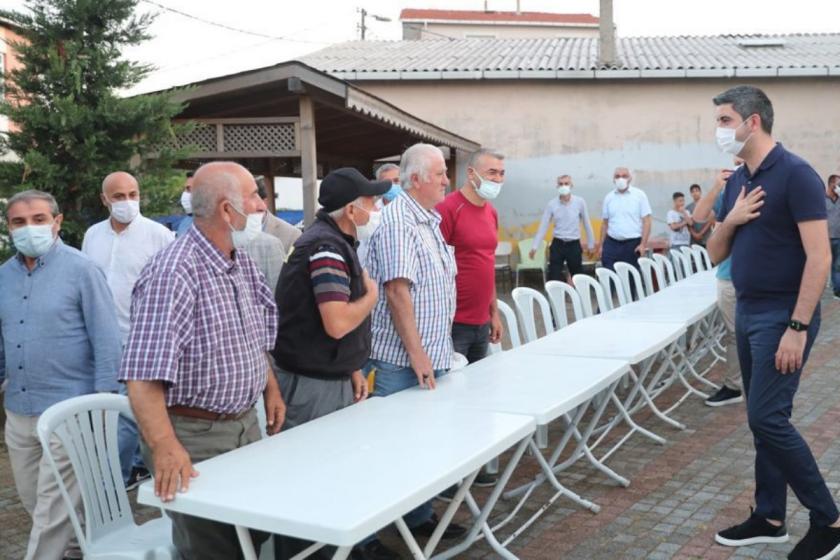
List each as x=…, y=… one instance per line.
x=362, y=27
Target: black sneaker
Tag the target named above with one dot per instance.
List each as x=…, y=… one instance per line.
x=485, y=480
x=373, y=550
x=138, y=476
x=725, y=396
x=754, y=530
x=449, y=494
x=452, y=531
x=819, y=543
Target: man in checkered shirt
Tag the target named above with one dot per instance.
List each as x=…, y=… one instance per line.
x=202, y=322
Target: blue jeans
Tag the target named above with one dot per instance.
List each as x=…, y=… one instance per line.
x=835, y=264
x=390, y=379
x=615, y=251
x=782, y=458
x=128, y=441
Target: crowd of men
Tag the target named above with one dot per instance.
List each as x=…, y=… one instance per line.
x=392, y=277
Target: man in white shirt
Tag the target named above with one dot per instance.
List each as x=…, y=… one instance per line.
x=568, y=212
x=679, y=220
x=121, y=246
x=626, y=220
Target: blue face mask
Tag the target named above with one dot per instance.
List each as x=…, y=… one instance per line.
x=33, y=241
x=393, y=193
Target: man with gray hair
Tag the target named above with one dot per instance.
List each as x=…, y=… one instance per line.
x=389, y=172
x=121, y=246
x=59, y=339
x=415, y=269
x=203, y=322
x=626, y=221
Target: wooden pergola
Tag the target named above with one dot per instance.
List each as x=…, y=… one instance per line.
x=293, y=120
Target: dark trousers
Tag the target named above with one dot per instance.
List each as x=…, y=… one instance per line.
x=471, y=340
x=620, y=251
x=564, y=252
x=782, y=458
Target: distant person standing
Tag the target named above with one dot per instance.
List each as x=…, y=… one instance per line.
x=700, y=231
x=773, y=224
x=568, y=212
x=832, y=207
x=390, y=172
x=186, y=204
x=121, y=246
x=626, y=221
x=272, y=225
x=679, y=221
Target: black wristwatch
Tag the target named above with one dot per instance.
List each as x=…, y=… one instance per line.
x=797, y=326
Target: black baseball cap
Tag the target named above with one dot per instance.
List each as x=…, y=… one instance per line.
x=343, y=186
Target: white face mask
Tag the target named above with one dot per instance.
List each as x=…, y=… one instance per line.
x=727, y=142
x=33, y=241
x=365, y=232
x=621, y=184
x=253, y=227
x=837, y=190
x=124, y=211
x=564, y=190
x=186, y=201
x=488, y=190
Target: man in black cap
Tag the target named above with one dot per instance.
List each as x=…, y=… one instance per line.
x=324, y=299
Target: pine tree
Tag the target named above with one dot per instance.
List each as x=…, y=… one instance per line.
x=74, y=126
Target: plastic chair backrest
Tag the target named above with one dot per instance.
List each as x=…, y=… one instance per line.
x=525, y=261
x=697, y=257
x=86, y=426
x=651, y=271
x=668, y=268
x=504, y=249
x=586, y=286
x=679, y=262
x=612, y=286
x=705, y=258
x=689, y=255
x=511, y=324
x=524, y=300
x=558, y=292
x=630, y=278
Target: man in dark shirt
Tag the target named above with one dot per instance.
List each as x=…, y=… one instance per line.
x=774, y=212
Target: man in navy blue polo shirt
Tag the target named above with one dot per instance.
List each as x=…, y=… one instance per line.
x=774, y=212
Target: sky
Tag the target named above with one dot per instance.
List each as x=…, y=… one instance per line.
x=185, y=49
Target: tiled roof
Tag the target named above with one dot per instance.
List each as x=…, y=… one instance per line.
x=638, y=57
x=496, y=17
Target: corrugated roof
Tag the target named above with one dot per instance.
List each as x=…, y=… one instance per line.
x=638, y=57
x=410, y=14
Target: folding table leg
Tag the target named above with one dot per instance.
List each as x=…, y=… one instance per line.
x=342, y=553
x=248, y=552
x=480, y=523
x=409, y=539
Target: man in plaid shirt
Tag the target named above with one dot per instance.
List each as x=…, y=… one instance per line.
x=202, y=322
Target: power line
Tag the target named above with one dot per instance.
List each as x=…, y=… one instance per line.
x=228, y=27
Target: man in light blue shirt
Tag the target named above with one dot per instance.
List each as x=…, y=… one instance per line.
x=59, y=338
x=626, y=220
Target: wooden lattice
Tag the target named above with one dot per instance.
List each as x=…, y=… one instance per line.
x=259, y=137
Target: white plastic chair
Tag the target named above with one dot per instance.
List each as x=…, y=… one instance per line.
x=630, y=279
x=704, y=259
x=689, y=254
x=558, y=292
x=682, y=266
x=586, y=286
x=87, y=428
x=667, y=267
x=524, y=300
x=511, y=327
x=612, y=286
x=459, y=361
x=651, y=271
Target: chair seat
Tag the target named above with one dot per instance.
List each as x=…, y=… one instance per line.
x=150, y=541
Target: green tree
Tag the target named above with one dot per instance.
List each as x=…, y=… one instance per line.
x=74, y=125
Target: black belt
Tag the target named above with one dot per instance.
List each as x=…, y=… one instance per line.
x=631, y=240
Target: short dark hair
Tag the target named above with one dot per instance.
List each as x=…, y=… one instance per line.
x=260, y=181
x=678, y=195
x=831, y=178
x=694, y=186
x=190, y=174
x=746, y=101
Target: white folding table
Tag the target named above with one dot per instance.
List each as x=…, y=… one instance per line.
x=540, y=386
x=342, y=477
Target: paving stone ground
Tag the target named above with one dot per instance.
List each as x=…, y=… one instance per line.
x=680, y=493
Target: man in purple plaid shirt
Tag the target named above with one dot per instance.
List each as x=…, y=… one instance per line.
x=202, y=322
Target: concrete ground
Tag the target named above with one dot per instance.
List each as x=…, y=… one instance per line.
x=680, y=493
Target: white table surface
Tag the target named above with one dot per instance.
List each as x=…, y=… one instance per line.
x=519, y=382
x=346, y=475
x=662, y=309
x=628, y=340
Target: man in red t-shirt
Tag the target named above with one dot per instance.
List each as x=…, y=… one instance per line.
x=471, y=225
